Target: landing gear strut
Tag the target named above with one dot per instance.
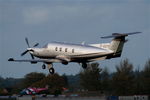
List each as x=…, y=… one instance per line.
x=50, y=68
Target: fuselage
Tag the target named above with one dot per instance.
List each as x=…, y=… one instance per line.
x=72, y=51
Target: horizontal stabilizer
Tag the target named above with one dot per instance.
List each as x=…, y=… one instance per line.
x=117, y=35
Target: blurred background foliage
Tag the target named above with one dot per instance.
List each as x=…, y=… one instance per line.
x=124, y=81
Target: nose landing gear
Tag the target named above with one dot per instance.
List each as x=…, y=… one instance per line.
x=50, y=68
x=51, y=71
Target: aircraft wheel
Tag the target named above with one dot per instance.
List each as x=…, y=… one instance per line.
x=43, y=66
x=51, y=71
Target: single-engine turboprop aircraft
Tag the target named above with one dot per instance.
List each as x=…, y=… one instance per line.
x=58, y=52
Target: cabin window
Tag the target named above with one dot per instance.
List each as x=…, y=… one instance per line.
x=56, y=49
x=60, y=49
x=65, y=49
x=72, y=50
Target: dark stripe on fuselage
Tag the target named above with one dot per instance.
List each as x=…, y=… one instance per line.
x=88, y=57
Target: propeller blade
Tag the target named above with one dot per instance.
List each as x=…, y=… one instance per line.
x=26, y=39
x=36, y=45
x=32, y=56
x=24, y=53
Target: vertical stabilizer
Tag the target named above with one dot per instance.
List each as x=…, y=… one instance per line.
x=117, y=46
x=118, y=42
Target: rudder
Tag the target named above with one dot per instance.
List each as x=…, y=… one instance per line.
x=117, y=46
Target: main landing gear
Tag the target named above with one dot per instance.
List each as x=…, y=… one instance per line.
x=50, y=68
x=84, y=65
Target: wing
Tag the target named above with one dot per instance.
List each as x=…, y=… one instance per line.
x=37, y=60
x=63, y=58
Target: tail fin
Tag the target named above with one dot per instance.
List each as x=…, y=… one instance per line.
x=117, y=46
x=118, y=42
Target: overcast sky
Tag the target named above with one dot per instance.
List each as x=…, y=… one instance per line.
x=72, y=21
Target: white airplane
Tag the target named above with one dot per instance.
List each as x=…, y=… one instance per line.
x=58, y=52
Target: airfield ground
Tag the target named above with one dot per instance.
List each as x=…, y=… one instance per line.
x=63, y=97
x=54, y=98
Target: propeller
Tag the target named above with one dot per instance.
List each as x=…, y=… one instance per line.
x=22, y=54
x=29, y=48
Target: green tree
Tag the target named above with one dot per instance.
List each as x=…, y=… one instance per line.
x=1, y=82
x=105, y=81
x=31, y=78
x=138, y=84
x=54, y=82
x=146, y=78
x=123, y=79
x=90, y=77
x=74, y=82
x=66, y=80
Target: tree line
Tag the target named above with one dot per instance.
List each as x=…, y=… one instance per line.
x=124, y=81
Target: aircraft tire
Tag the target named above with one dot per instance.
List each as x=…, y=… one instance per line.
x=51, y=71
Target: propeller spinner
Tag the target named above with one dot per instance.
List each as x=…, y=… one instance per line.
x=29, y=48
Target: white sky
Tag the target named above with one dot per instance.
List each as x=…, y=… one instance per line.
x=72, y=21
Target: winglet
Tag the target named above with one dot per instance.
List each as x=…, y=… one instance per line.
x=11, y=59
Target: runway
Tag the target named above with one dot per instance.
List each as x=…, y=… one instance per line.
x=72, y=98
x=63, y=97
x=52, y=98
